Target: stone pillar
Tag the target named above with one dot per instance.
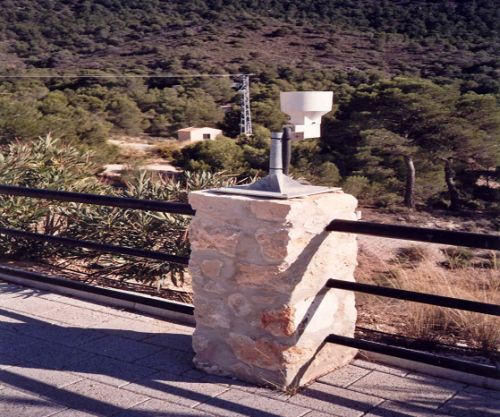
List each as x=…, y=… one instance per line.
x=259, y=268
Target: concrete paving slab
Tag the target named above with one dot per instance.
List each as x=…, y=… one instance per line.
x=172, y=340
x=397, y=409
x=8, y=321
x=345, y=376
x=6, y=361
x=109, y=371
x=56, y=333
x=136, y=329
x=179, y=326
x=437, y=371
x=34, y=380
x=10, y=343
x=156, y=332
x=32, y=305
x=121, y=348
x=236, y=403
x=73, y=413
x=317, y=414
x=49, y=355
x=228, y=382
x=335, y=401
x=76, y=316
x=159, y=408
x=139, y=366
x=177, y=389
x=420, y=390
x=87, y=305
x=263, y=391
x=488, y=393
x=14, y=403
x=96, y=398
x=473, y=403
x=170, y=360
x=393, y=370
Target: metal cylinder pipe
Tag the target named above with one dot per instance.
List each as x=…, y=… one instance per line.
x=276, y=157
x=286, y=149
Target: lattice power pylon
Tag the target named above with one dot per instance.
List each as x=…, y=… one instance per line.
x=245, y=116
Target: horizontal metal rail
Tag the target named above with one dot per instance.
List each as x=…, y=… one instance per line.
x=101, y=200
x=418, y=297
x=101, y=247
x=417, y=356
x=106, y=292
x=421, y=234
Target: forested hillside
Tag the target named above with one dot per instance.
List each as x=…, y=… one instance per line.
x=457, y=39
x=413, y=81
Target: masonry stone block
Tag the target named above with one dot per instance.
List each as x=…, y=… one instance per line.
x=259, y=270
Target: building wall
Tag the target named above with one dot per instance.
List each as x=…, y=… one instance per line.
x=184, y=135
x=196, y=135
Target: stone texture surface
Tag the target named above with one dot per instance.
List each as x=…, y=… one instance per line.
x=259, y=268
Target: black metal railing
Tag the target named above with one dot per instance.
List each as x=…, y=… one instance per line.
x=421, y=234
x=100, y=200
x=110, y=201
x=473, y=240
x=418, y=297
x=100, y=247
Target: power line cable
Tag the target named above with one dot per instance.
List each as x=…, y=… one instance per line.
x=128, y=76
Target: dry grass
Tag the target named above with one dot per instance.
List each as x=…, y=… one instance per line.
x=429, y=322
x=424, y=321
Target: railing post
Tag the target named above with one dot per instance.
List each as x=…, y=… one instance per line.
x=259, y=270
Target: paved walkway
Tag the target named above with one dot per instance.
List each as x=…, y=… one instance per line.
x=65, y=357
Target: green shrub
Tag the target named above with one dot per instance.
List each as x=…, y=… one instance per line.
x=328, y=174
x=167, y=150
x=412, y=255
x=356, y=185
x=214, y=155
x=458, y=258
x=49, y=163
x=386, y=200
x=45, y=163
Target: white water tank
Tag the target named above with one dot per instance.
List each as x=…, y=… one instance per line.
x=305, y=109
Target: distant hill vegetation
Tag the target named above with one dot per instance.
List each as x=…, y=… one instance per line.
x=416, y=86
x=450, y=39
x=459, y=21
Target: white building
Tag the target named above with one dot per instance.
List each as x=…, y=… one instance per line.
x=196, y=134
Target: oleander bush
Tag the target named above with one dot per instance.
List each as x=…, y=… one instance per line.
x=51, y=164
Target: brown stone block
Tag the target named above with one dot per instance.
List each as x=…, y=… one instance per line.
x=218, y=237
x=268, y=276
x=279, y=322
x=273, y=243
x=264, y=353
